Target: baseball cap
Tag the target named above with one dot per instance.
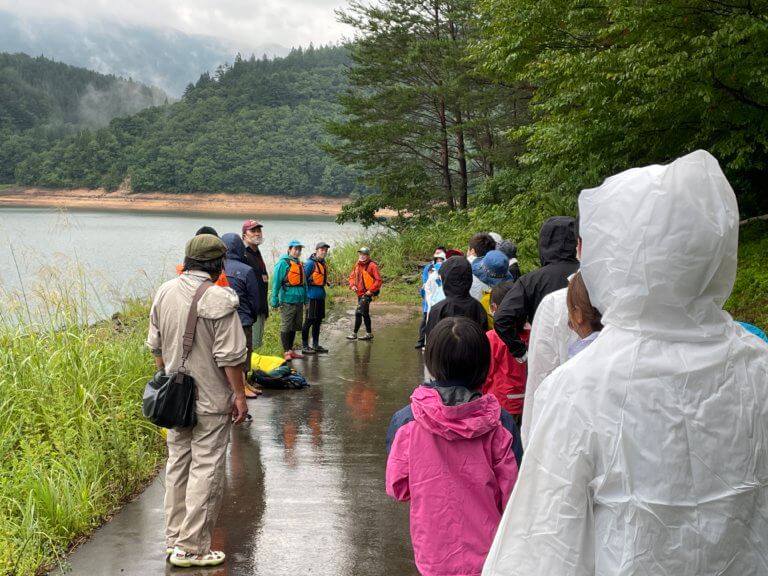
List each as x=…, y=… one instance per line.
x=251, y=224
x=295, y=243
x=322, y=245
x=364, y=250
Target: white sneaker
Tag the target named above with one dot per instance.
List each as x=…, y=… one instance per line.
x=187, y=559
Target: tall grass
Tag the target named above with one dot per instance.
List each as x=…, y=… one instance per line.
x=72, y=438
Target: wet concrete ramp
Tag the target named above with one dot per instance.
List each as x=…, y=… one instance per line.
x=305, y=479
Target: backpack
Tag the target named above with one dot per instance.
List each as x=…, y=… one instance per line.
x=281, y=378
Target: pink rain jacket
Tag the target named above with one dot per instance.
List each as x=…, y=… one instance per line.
x=458, y=481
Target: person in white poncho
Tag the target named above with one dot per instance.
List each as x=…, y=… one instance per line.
x=649, y=453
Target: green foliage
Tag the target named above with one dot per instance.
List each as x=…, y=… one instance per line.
x=42, y=102
x=255, y=126
x=73, y=440
x=420, y=122
x=627, y=83
x=749, y=299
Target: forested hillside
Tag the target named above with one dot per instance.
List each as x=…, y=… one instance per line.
x=42, y=101
x=40, y=92
x=253, y=126
x=476, y=103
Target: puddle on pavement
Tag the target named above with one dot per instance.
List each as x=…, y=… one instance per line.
x=305, y=479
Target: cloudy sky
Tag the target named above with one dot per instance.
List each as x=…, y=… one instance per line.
x=244, y=23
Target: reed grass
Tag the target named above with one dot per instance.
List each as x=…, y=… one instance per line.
x=73, y=442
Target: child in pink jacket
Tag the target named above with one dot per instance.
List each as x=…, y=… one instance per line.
x=454, y=454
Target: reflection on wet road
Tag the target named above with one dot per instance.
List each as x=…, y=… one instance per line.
x=305, y=479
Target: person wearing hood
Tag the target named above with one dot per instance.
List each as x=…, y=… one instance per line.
x=648, y=453
x=194, y=475
x=242, y=279
x=557, y=251
x=487, y=272
x=453, y=453
x=456, y=276
x=510, y=251
x=316, y=270
x=289, y=294
x=430, y=284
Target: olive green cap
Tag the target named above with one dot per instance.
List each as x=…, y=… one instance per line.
x=205, y=247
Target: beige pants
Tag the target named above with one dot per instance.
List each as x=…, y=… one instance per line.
x=194, y=482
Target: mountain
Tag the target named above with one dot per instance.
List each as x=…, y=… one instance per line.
x=38, y=92
x=160, y=57
x=255, y=126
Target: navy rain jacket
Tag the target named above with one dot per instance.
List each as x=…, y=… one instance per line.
x=242, y=279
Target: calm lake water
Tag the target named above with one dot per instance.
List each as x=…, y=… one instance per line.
x=116, y=255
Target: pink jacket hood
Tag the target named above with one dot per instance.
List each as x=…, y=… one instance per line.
x=468, y=420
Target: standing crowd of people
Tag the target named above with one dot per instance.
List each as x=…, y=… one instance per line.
x=600, y=414
x=226, y=280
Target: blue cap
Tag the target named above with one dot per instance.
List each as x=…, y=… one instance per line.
x=294, y=244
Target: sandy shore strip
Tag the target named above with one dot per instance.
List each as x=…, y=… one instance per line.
x=250, y=204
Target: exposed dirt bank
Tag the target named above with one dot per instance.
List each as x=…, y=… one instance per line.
x=242, y=204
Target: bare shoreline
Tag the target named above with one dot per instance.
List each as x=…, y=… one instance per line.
x=228, y=204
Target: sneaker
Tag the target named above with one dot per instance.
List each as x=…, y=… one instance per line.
x=308, y=350
x=352, y=336
x=168, y=550
x=320, y=350
x=186, y=559
x=367, y=336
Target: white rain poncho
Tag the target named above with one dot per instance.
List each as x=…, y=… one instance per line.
x=649, y=455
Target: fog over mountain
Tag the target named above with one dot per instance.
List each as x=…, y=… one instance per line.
x=161, y=57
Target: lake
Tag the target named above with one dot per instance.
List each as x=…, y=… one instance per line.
x=117, y=255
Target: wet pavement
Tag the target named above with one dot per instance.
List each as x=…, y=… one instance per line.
x=305, y=479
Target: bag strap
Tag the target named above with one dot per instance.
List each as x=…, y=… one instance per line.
x=189, y=331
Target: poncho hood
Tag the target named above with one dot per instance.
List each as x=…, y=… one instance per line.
x=659, y=248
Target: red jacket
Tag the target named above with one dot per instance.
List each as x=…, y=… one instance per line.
x=506, y=377
x=365, y=277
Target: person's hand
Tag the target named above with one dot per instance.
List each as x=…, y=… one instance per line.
x=368, y=293
x=275, y=308
x=306, y=306
x=240, y=409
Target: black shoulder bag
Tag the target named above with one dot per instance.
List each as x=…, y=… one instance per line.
x=169, y=399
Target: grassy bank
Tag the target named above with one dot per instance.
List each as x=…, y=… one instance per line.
x=73, y=440
x=400, y=255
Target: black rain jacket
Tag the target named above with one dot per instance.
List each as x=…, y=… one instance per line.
x=557, y=251
x=456, y=275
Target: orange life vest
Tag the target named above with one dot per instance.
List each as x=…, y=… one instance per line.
x=361, y=274
x=222, y=281
x=295, y=275
x=319, y=274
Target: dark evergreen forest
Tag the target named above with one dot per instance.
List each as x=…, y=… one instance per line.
x=255, y=126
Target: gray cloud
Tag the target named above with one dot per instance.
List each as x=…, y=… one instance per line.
x=242, y=24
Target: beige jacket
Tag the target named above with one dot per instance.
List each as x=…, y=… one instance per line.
x=219, y=338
